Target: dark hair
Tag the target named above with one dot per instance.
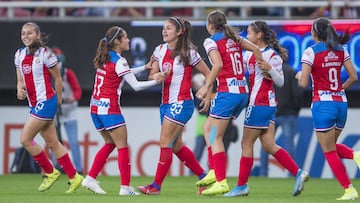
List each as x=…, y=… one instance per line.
x=270, y=37
x=106, y=44
x=326, y=32
x=41, y=42
x=218, y=19
x=184, y=44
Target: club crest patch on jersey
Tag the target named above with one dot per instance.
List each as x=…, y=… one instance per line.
x=37, y=60
x=26, y=69
x=167, y=66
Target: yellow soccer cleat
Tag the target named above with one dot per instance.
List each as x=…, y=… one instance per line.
x=49, y=180
x=217, y=188
x=74, y=183
x=207, y=180
x=350, y=194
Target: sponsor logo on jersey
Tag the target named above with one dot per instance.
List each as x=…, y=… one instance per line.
x=99, y=103
x=331, y=57
x=237, y=83
x=322, y=93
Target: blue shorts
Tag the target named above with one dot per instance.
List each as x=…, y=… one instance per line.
x=226, y=105
x=45, y=110
x=329, y=114
x=259, y=116
x=107, y=122
x=179, y=112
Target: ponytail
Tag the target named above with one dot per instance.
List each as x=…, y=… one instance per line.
x=106, y=44
x=326, y=32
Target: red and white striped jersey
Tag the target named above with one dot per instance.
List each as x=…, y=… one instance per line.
x=326, y=67
x=232, y=75
x=177, y=86
x=34, y=69
x=261, y=89
x=107, y=86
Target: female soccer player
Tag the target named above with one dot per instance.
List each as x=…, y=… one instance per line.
x=178, y=56
x=111, y=71
x=35, y=66
x=323, y=61
x=260, y=113
x=224, y=49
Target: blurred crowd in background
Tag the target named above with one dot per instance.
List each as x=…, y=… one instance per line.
x=298, y=12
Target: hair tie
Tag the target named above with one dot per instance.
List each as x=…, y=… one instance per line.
x=115, y=35
x=315, y=28
x=181, y=23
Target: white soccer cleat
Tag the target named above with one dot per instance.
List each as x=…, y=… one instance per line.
x=92, y=185
x=128, y=190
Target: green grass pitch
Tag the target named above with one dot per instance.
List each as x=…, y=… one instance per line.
x=22, y=188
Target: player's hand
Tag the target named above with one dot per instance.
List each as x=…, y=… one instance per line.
x=205, y=105
x=149, y=64
x=21, y=93
x=160, y=76
x=265, y=67
x=201, y=93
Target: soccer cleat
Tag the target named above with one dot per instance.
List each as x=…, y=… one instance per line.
x=301, y=178
x=356, y=158
x=207, y=180
x=127, y=190
x=217, y=188
x=350, y=194
x=243, y=190
x=74, y=183
x=92, y=185
x=149, y=190
x=49, y=180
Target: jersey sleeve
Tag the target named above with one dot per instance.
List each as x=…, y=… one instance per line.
x=138, y=85
x=50, y=59
x=246, y=58
x=209, y=45
x=194, y=57
x=156, y=53
x=346, y=55
x=276, y=62
x=17, y=59
x=122, y=67
x=308, y=56
x=276, y=71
